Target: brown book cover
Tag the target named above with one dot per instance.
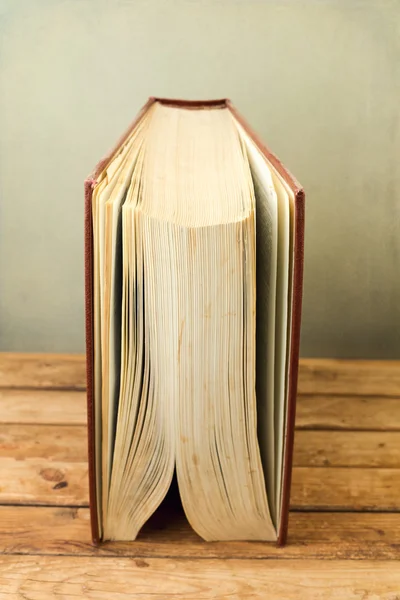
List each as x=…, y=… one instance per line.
x=296, y=307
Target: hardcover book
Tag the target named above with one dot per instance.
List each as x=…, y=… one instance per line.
x=194, y=236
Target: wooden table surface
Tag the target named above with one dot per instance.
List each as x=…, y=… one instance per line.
x=344, y=533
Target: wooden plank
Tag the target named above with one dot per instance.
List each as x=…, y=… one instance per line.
x=348, y=412
x=43, y=481
x=65, y=531
x=336, y=488
x=44, y=371
x=45, y=577
x=349, y=377
x=43, y=464
x=42, y=406
x=67, y=443
x=313, y=412
x=316, y=376
x=347, y=449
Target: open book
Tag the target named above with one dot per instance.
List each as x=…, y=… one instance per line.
x=194, y=256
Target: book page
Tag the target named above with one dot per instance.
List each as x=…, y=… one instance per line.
x=195, y=287
x=279, y=318
x=287, y=193
x=267, y=264
x=108, y=186
x=281, y=341
x=188, y=385
x=112, y=293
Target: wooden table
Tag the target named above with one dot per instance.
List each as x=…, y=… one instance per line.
x=344, y=540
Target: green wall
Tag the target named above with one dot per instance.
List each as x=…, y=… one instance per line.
x=320, y=81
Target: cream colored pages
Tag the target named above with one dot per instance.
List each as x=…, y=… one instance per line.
x=112, y=296
x=266, y=336
x=101, y=192
x=191, y=246
x=277, y=351
x=145, y=446
x=282, y=342
x=109, y=185
x=218, y=460
x=188, y=334
x=284, y=302
x=290, y=216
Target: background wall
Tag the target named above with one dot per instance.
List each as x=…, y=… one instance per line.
x=319, y=80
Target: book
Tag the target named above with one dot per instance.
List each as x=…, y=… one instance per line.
x=194, y=237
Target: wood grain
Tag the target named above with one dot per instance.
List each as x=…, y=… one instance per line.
x=347, y=462
x=43, y=481
x=348, y=413
x=42, y=371
x=45, y=577
x=65, y=531
x=316, y=376
x=312, y=448
x=46, y=464
x=42, y=406
x=347, y=449
x=349, y=377
x=50, y=442
x=313, y=412
x=338, y=488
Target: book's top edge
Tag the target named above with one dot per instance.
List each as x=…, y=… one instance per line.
x=199, y=105
x=191, y=104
